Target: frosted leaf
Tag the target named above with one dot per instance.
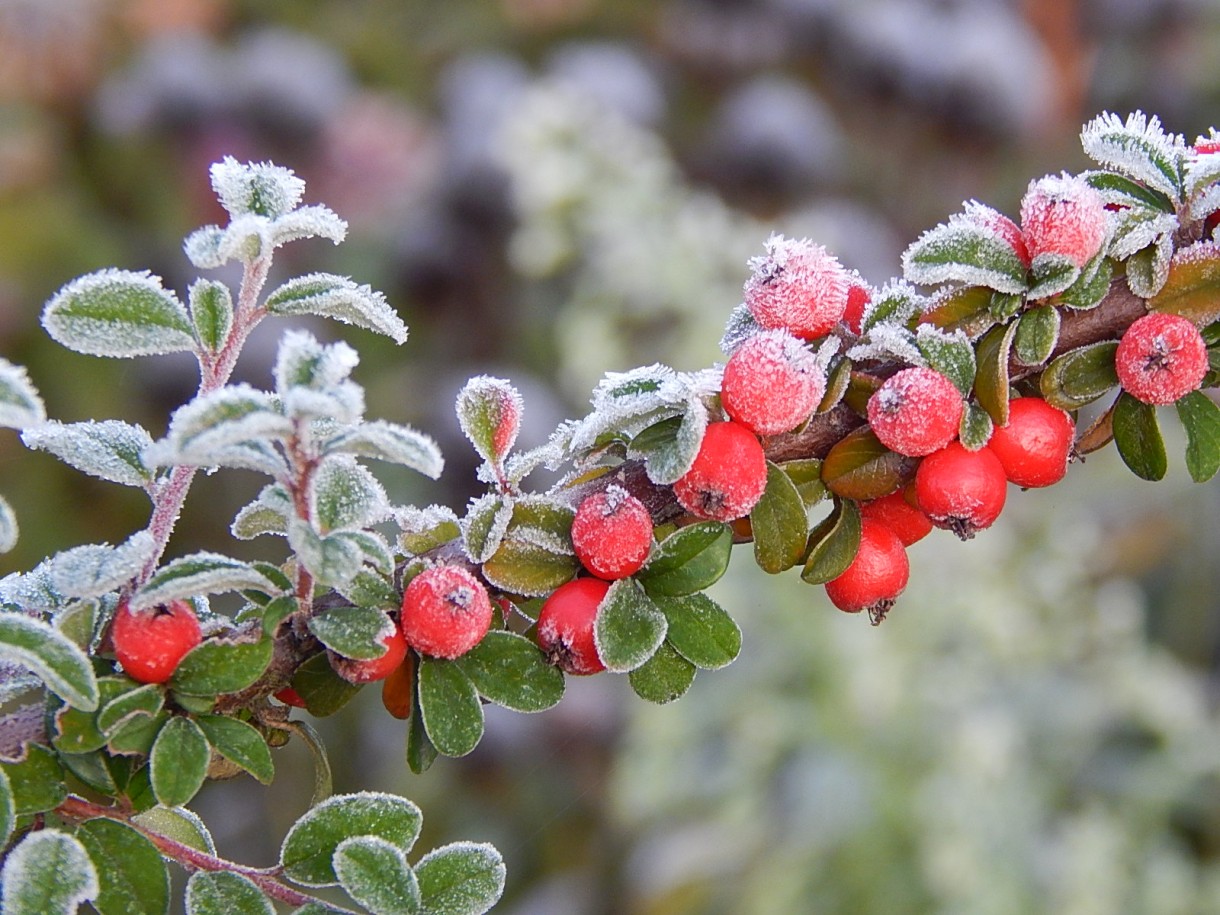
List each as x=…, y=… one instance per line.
x=92, y=570
x=308, y=222
x=302, y=361
x=966, y=251
x=56, y=660
x=199, y=573
x=47, y=873
x=375, y=873
x=267, y=514
x=202, y=247
x=111, y=450
x=372, y=547
x=386, y=441
x=180, y=824
x=738, y=329
x=223, y=417
x=624, y=404
x=645, y=387
x=118, y=313
x=826, y=353
x=950, y=354
x=1138, y=147
x=33, y=591
x=1148, y=269
x=20, y=405
x=462, y=878
x=668, y=460
x=885, y=342
x=519, y=466
x=489, y=413
x=211, y=306
x=423, y=529
x=1205, y=203
x=8, y=526
x=895, y=303
x=345, y=495
x=702, y=383
x=225, y=893
x=261, y=188
x=342, y=402
x=484, y=525
x=330, y=296
x=1138, y=228
x=245, y=239
x=1203, y=164
x=543, y=539
x=333, y=561
x=262, y=457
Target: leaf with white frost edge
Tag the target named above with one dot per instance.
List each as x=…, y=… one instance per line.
x=211, y=307
x=396, y=444
x=47, y=873
x=346, y=496
x=20, y=405
x=52, y=656
x=375, y=873
x=118, y=313
x=92, y=570
x=199, y=573
x=331, y=296
x=225, y=893
x=227, y=416
x=463, y=878
x=111, y=450
x=333, y=561
x=267, y=514
x=8, y=526
x=1139, y=148
x=261, y=188
x=303, y=361
x=314, y=221
x=202, y=247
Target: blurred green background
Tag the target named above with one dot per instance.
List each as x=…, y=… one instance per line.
x=551, y=189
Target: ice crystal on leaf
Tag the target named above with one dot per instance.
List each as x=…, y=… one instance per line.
x=229, y=416
x=111, y=450
x=20, y=405
x=92, y=570
x=970, y=249
x=263, y=189
x=888, y=341
x=346, y=496
x=339, y=298
x=740, y=327
x=198, y=574
x=1138, y=148
x=896, y=302
x=1202, y=169
x=385, y=441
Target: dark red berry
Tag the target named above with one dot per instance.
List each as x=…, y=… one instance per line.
x=960, y=490
x=728, y=476
x=1036, y=444
x=566, y=626
x=1161, y=358
x=875, y=577
x=150, y=643
x=612, y=533
x=446, y=611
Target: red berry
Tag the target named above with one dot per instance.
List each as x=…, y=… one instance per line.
x=1161, y=358
x=150, y=643
x=612, y=533
x=772, y=383
x=797, y=286
x=728, y=476
x=565, y=626
x=875, y=577
x=1063, y=215
x=901, y=514
x=1035, y=446
x=446, y=611
x=858, y=298
x=290, y=696
x=962, y=491
x=368, y=670
x=915, y=412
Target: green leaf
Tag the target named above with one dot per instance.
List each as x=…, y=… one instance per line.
x=179, y=824
x=1148, y=268
x=131, y=872
x=1111, y=184
x=338, y=297
x=389, y=442
x=991, y=381
x=449, y=706
x=20, y=405
x=109, y=450
x=1201, y=418
x=178, y=762
x=485, y=524
x=211, y=306
x=196, y=574
x=489, y=412
x=664, y=677
x=308, y=849
x=1036, y=335
x=1080, y=376
x=465, y=878
x=118, y=313
x=628, y=627
x=147, y=699
x=1052, y=273
x=8, y=809
x=421, y=752
x=700, y=630
x=48, y=873
x=976, y=427
x=36, y=782
x=92, y=769
x=512, y=671
x=1139, y=148
x=779, y=523
x=225, y=893
x=528, y=569
x=323, y=690
x=833, y=544
x=333, y=560
x=52, y=656
x=950, y=354
x=135, y=735
x=669, y=448
x=1138, y=438
x=239, y=743
x=346, y=495
x=965, y=252
x=858, y=466
x=691, y=559
x=1192, y=289
x=375, y=873
x=353, y=632
x=806, y=475
x=964, y=308
x=1092, y=285
x=218, y=666
x=201, y=429
x=76, y=730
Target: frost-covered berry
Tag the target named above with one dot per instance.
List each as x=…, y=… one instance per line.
x=875, y=577
x=1036, y=444
x=446, y=611
x=916, y=411
x=1161, y=358
x=565, y=626
x=900, y=513
x=772, y=383
x=728, y=476
x=1063, y=215
x=797, y=286
x=150, y=643
x=612, y=533
x=961, y=491
x=367, y=671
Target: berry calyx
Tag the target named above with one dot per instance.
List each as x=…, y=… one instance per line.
x=368, y=670
x=961, y=491
x=772, y=383
x=900, y=513
x=612, y=533
x=565, y=626
x=150, y=643
x=876, y=576
x=1063, y=215
x=916, y=411
x=1036, y=444
x=797, y=286
x=446, y=611
x=1161, y=358
x=728, y=475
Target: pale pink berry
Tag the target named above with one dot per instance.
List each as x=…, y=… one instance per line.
x=1063, y=215
x=612, y=533
x=1000, y=225
x=797, y=286
x=772, y=383
x=728, y=476
x=1161, y=358
x=915, y=412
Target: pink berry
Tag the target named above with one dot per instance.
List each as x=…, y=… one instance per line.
x=1161, y=358
x=772, y=383
x=1036, y=444
x=916, y=411
x=566, y=626
x=372, y=669
x=875, y=577
x=961, y=491
x=797, y=286
x=446, y=611
x=149, y=644
x=612, y=533
x=728, y=476
x=1063, y=215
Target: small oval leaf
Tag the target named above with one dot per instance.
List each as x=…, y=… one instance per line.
x=833, y=544
x=860, y=467
x=1037, y=333
x=55, y=658
x=991, y=381
x=118, y=313
x=375, y=873
x=240, y=743
x=779, y=523
x=664, y=677
x=1137, y=435
x=178, y=762
x=628, y=627
x=218, y=666
x=700, y=630
x=450, y=707
x=465, y=878
x=1192, y=288
x=690, y=559
x=512, y=671
x=131, y=872
x=48, y=873
x=1080, y=376
x=1201, y=417
x=225, y=893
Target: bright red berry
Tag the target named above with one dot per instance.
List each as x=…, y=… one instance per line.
x=900, y=513
x=565, y=626
x=858, y=299
x=728, y=476
x=1035, y=446
x=1161, y=358
x=150, y=643
x=290, y=696
x=797, y=286
x=1063, y=215
x=915, y=412
x=371, y=669
x=612, y=533
x=875, y=577
x=772, y=383
x=960, y=490
x=446, y=611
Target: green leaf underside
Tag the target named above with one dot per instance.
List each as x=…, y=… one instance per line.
x=628, y=627
x=779, y=523
x=52, y=656
x=48, y=873
x=1036, y=335
x=225, y=893
x=664, y=677
x=179, y=824
x=833, y=544
x=528, y=569
x=217, y=666
x=1201, y=418
x=340, y=298
x=240, y=743
x=450, y=707
x=510, y=670
x=178, y=762
x=421, y=752
x=1137, y=435
x=133, y=876
x=806, y=475
x=962, y=252
x=375, y=873
x=701, y=630
x=211, y=312
x=691, y=559
x=1080, y=376
x=323, y=690
x=464, y=878
x=860, y=467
